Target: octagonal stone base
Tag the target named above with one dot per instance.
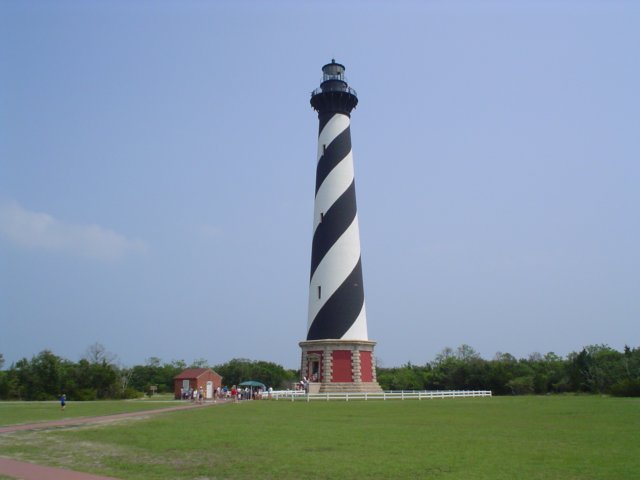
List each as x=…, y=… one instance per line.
x=339, y=365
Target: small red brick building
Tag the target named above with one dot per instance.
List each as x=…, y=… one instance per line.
x=194, y=378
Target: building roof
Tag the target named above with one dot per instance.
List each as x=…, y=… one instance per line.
x=193, y=373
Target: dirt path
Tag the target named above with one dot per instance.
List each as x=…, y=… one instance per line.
x=30, y=471
x=102, y=419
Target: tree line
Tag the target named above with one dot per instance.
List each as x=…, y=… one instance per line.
x=98, y=377
x=595, y=369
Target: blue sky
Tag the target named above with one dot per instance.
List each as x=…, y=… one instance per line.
x=157, y=164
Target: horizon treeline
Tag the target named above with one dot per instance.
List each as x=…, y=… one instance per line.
x=597, y=369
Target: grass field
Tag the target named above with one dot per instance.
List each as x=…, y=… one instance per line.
x=564, y=437
x=12, y=413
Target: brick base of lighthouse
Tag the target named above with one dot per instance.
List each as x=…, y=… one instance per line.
x=339, y=366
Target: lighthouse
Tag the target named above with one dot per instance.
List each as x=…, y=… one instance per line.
x=337, y=354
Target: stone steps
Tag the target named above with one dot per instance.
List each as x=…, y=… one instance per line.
x=348, y=387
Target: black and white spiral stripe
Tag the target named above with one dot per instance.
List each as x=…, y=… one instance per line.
x=336, y=293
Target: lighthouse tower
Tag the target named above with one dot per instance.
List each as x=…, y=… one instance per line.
x=337, y=354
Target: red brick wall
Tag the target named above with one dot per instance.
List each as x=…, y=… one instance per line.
x=342, y=366
x=366, y=367
x=196, y=383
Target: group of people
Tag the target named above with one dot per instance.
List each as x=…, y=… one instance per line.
x=194, y=394
x=249, y=394
x=224, y=393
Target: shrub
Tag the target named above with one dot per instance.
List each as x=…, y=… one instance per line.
x=626, y=388
x=521, y=385
x=131, y=393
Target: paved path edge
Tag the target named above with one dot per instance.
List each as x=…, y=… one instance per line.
x=31, y=471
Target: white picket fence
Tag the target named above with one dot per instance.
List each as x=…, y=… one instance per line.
x=294, y=395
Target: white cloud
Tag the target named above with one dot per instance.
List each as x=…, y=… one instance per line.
x=42, y=231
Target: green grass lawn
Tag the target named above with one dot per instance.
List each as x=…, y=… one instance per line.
x=554, y=437
x=12, y=413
